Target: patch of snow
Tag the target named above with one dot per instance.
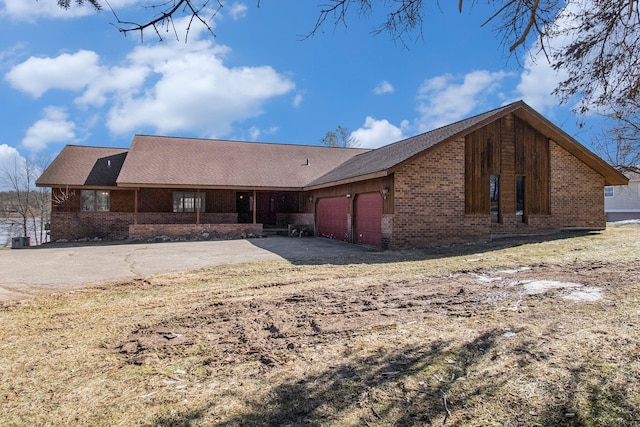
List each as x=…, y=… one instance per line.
x=534, y=287
x=587, y=294
x=483, y=278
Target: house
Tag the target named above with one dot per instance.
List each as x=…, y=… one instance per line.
x=622, y=202
x=504, y=172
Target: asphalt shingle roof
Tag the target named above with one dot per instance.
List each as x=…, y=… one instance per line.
x=391, y=155
x=79, y=165
x=173, y=162
x=187, y=162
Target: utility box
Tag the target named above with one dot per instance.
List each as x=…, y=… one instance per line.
x=20, y=242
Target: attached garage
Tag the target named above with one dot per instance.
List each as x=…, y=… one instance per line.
x=333, y=218
x=368, y=224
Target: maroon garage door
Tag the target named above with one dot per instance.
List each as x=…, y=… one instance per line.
x=369, y=219
x=332, y=217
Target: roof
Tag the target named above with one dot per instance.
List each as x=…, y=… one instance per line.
x=84, y=166
x=381, y=162
x=197, y=163
x=173, y=162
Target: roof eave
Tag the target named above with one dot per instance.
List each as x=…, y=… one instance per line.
x=348, y=180
x=133, y=185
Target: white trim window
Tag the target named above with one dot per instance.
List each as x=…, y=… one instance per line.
x=609, y=191
x=185, y=201
x=95, y=200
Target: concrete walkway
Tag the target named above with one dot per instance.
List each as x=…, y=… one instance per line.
x=51, y=268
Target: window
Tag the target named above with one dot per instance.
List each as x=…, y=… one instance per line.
x=494, y=188
x=608, y=191
x=186, y=202
x=94, y=200
x=520, y=198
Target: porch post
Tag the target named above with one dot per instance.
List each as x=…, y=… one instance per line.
x=198, y=208
x=255, y=205
x=135, y=207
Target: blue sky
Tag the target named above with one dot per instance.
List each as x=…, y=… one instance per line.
x=69, y=77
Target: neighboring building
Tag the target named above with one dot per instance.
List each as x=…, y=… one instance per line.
x=504, y=172
x=622, y=202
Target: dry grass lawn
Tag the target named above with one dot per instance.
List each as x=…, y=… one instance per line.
x=529, y=332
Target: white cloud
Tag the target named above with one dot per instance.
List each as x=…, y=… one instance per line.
x=447, y=98
x=30, y=11
x=169, y=87
x=238, y=10
x=190, y=88
x=539, y=79
x=53, y=127
x=383, y=87
x=254, y=133
x=376, y=133
x=9, y=159
x=35, y=76
x=537, y=82
x=297, y=100
x=115, y=81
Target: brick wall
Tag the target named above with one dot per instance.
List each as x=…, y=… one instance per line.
x=186, y=218
x=387, y=230
x=429, y=199
x=194, y=231
x=577, y=199
x=79, y=225
x=115, y=225
x=429, y=202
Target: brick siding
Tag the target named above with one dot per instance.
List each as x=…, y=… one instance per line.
x=79, y=225
x=429, y=202
x=194, y=231
x=429, y=206
x=577, y=199
x=116, y=225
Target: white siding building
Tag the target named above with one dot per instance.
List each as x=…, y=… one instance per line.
x=622, y=202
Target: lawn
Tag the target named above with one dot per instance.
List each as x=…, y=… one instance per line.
x=519, y=332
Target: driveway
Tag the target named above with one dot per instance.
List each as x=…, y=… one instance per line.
x=52, y=268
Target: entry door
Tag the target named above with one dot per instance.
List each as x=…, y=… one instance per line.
x=332, y=214
x=244, y=207
x=368, y=224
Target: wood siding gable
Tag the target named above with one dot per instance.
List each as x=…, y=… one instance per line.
x=507, y=150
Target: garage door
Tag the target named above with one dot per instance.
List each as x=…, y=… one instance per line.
x=332, y=217
x=369, y=219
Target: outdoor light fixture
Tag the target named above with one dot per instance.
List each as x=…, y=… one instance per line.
x=385, y=192
x=310, y=199
x=348, y=196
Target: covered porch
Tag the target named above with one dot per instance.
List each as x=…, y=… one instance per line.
x=215, y=213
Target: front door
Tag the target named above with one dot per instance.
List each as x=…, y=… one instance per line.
x=244, y=207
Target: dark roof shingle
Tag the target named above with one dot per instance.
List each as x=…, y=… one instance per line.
x=81, y=165
x=188, y=162
x=391, y=155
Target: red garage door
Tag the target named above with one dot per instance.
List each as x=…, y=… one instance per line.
x=332, y=217
x=369, y=219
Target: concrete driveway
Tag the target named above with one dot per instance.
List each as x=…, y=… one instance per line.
x=51, y=268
